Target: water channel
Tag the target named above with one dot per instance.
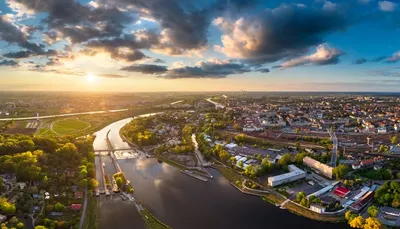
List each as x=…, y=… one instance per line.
x=184, y=202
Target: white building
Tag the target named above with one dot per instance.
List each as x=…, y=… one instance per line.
x=382, y=130
x=319, y=167
x=317, y=208
x=294, y=174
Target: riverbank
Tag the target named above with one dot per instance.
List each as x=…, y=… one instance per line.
x=275, y=199
x=151, y=221
x=91, y=218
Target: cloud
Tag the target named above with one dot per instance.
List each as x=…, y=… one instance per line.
x=28, y=53
x=386, y=72
x=268, y=37
x=109, y=75
x=379, y=58
x=323, y=56
x=8, y=63
x=360, y=61
x=145, y=68
x=77, y=22
x=394, y=58
x=387, y=6
x=212, y=68
x=263, y=70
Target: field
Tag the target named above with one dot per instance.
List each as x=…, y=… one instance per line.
x=69, y=126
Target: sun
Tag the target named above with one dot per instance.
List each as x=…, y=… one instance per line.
x=91, y=78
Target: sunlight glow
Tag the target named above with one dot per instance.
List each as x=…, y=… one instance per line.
x=91, y=78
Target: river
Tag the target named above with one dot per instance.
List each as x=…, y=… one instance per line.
x=184, y=202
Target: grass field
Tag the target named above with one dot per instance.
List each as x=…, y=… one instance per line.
x=69, y=126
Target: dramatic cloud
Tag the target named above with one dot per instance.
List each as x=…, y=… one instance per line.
x=323, y=56
x=146, y=68
x=360, y=61
x=212, y=68
x=283, y=32
x=394, y=58
x=8, y=63
x=387, y=6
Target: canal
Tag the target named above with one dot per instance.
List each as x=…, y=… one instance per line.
x=184, y=202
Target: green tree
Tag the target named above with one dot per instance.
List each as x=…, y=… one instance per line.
x=340, y=171
x=59, y=207
x=82, y=183
x=373, y=211
x=41, y=227
x=349, y=215
x=394, y=139
x=285, y=159
x=93, y=183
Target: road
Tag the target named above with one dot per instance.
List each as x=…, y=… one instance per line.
x=62, y=115
x=217, y=105
x=335, y=147
x=84, y=209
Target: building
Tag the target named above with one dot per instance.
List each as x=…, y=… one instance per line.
x=363, y=201
x=2, y=218
x=390, y=214
x=341, y=191
x=317, y=208
x=294, y=174
x=76, y=207
x=395, y=150
x=319, y=167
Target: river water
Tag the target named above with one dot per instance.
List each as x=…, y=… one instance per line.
x=184, y=202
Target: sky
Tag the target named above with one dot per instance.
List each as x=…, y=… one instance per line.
x=191, y=45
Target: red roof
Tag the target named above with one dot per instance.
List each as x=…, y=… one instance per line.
x=341, y=191
x=78, y=195
x=76, y=207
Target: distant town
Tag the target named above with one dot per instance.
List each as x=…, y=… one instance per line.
x=333, y=158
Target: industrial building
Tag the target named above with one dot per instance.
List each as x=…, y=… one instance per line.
x=319, y=167
x=294, y=174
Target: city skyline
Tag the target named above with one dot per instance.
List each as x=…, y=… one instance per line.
x=119, y=45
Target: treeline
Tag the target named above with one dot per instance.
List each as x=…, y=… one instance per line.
x=11, y=144
x=217, y=120
x=6, y=125
x=243, y=139
x=388, y=194
x=52, y=164
x=137, y=131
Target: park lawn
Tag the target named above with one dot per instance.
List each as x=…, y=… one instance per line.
x=68, y=126
x=151, y=221
x=229, y=174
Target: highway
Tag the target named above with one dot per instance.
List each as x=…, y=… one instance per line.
x=61, y=115
x=335, y=147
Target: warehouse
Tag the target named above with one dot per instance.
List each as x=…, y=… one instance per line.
x=294, y=174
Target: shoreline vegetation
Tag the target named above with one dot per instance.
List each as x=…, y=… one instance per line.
x=151, y=221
